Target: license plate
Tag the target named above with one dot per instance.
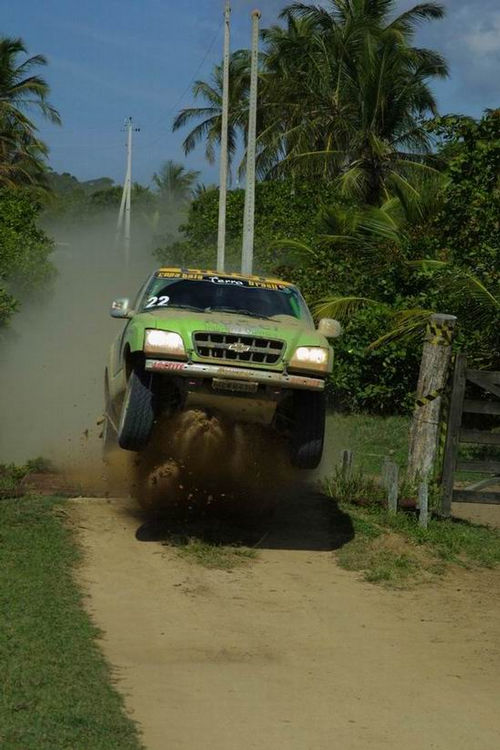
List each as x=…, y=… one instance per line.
x=236, y=386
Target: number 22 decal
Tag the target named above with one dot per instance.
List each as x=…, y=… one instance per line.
x=157, y=302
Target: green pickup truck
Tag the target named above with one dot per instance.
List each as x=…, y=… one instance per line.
x=241, y=346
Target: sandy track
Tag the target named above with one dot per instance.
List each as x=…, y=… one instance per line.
x=290, y=653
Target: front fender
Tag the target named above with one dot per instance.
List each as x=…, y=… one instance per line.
x=134, y=335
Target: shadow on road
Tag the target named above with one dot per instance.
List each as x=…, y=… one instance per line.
x=303, y=520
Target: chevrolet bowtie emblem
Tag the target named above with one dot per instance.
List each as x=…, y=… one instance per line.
x=239, y=348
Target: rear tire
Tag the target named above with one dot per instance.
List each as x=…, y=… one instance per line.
x=308, y=429
x=138, y=414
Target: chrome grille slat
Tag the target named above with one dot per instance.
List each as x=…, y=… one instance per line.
x=211, y=345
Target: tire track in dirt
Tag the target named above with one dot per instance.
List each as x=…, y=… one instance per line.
x=290, y=653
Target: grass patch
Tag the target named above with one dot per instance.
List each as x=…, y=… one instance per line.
x=211, y=555
x=394, y=549
x=11, y=475
x=56, y=688
x=10, y=479
x=370, y=439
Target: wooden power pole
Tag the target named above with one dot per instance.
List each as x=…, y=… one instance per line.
x=221, y=234
x=434, y=368
x=249, y=211
x=123, y=225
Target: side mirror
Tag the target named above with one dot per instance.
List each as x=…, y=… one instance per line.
x=120, y=307
x=330, y=328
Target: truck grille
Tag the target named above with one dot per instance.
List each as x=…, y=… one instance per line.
x=235, y=348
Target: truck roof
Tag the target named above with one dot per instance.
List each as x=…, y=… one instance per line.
x=189, y=272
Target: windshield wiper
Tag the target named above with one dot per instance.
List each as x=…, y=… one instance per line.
x=237, y=311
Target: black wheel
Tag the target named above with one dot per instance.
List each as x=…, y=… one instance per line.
x=308, y=429
x=137, y=415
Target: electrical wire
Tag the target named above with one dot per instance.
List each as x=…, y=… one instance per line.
x=175, y=107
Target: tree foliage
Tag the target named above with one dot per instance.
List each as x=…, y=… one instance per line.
x=174, y=183
x=22, y=153
x=343, y=95
x=25, y=266
x=466, y=229
x=285, y=208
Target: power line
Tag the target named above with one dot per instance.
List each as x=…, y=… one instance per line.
x=175, y=107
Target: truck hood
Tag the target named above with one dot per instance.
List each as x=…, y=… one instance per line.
x=185, y=322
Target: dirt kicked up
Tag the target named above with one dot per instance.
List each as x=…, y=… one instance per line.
x=195, y=461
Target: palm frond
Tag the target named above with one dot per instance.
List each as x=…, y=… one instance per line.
x=427, y=264
x=481, y=293
x=341, y=308
x=408, y=324
x=285, y=244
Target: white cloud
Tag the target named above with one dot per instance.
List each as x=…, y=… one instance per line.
x=484, y=37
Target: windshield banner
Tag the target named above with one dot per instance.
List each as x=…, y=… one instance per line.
x=221, y=280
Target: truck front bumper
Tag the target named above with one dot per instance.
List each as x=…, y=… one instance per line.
x=264, y=377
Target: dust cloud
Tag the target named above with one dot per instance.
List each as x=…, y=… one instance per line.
x=54, y=352
x=51, y=378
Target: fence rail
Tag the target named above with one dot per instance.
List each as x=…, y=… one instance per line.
x=457, y=433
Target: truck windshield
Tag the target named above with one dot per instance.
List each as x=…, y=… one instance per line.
x=222, y=294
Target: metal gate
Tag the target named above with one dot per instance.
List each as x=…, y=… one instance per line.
x=485, y=401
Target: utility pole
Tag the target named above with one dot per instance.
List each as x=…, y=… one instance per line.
x=248, y=218
x=221, y=235
x=119, y=223
x=128, y=187
x=125, y=204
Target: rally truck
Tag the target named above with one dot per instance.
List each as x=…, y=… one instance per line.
x=244, y=347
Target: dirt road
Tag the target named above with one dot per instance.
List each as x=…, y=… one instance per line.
x=291, y=652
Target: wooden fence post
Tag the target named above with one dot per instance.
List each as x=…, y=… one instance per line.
x=346, y=465
x=424, y=431
x=392, y=478
x=423, y=504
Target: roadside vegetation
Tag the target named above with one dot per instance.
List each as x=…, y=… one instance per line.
x=370, y=438
x=56, y=688
x=12, y=475
x=393, y=549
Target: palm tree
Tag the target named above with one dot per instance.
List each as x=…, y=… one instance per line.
x=174, y=183
x=22, y=154
x=209, y=129
x=359, y=93
x=343, y=94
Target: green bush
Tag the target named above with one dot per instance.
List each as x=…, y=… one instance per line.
x=24, y=251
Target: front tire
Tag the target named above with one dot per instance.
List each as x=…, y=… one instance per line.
x=137, y=415
x=308, y=431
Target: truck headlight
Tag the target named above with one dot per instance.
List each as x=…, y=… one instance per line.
x=164, y=342
x=310, y=358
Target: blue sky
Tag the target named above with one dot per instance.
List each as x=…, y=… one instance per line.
x=112, y=58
